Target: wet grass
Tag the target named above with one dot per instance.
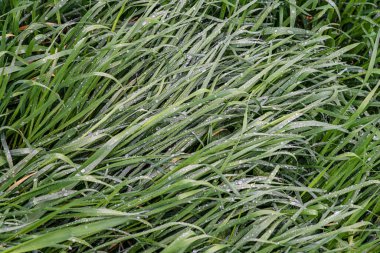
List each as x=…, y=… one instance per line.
x=189, y=126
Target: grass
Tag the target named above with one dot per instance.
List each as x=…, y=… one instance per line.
x=189, y=126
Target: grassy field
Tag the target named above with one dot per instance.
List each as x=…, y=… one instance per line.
x=189, y=126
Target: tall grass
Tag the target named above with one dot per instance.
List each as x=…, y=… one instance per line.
x=180, y=126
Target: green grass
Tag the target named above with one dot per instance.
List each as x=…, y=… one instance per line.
x=189, y=126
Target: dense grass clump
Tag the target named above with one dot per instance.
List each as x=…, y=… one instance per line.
x=189, y=126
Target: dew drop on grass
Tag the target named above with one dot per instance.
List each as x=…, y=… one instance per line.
x=337, y=212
